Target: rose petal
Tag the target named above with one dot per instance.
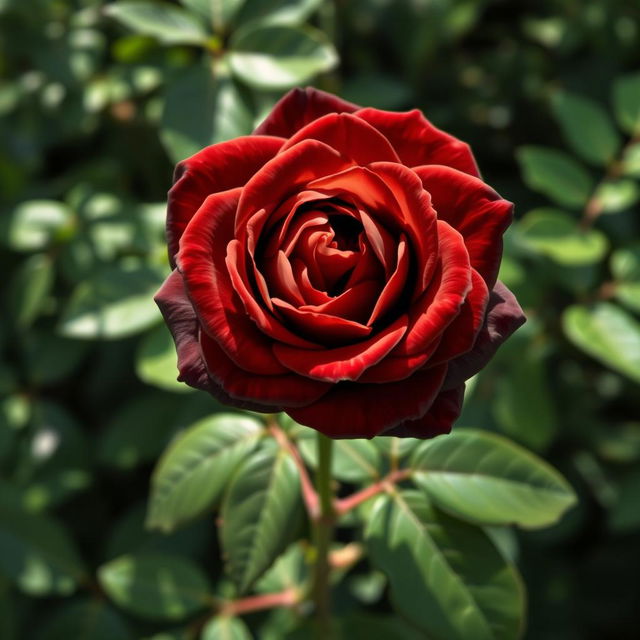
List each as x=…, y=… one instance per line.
x=298, y=108
x=354, y=410
x=178, y=313
x=436, y=309
x=342, y=363
x=219, y=167
x=220, y=312
x=438, y=420
x=284, y=175
x=504, y=316
x=418, y=142
x=351, y=136
x=288, y=390
x=475, y=210
x=319, y=327
x=461, y=334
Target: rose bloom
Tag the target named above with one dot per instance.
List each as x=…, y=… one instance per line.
x=339, y=264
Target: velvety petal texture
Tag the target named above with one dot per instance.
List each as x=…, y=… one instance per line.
x=339, y=264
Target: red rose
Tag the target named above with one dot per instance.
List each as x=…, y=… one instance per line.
x=340, y=265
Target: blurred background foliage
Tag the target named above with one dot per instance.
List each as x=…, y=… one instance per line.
x=99, y=100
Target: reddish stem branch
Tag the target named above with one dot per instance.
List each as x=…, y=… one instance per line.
x=309, y=494
x=286, y=598
x=351, y=502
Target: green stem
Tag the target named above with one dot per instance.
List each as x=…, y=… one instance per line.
x=323, y=532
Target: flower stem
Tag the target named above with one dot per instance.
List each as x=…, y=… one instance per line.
x=323, y=532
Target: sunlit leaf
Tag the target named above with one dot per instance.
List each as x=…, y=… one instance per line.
x=625, y=267
x=257, y=513
x=195, y=469
x=36, y=224
x=164, y=21
x=446, y=577
x=111, y=304
x=607, y=333
x=557, y=235
x=159, y=587
x=485, y=478
x=226, y=628
x=280, y=57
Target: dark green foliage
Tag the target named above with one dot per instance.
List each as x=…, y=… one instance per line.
x=98, y=100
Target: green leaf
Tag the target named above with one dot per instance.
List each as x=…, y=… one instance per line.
x=157, y=361
x=586, y=127
x=617, y=195
x=138, y=431
x=257, y=513
x=607, y=333
x=194, y=470
x=556, y=235
x=555, y=174
x=218, y=13
x=226, y=628
x=85, y=620
x=166, y=22
x=289, y=571
x=484, y=478
x=625, y=267
x=630, y=164
x=36, y=224
x=113, y=303
x=280, y=57
x=36, y=553
x=524, y=405
x=292, y=12
x=30, y=287
x=626, y=102
x=625, y=515
x=446, y=577
x=158, y=587
x=200, y=110
x=353, y=460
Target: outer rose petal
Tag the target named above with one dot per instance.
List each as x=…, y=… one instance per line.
x=354, y=410
x=287, y=390
x=216, y=168
x=475, y=210
x=351, y=136
x=298, y=108
x=504, y=316
x=438, y=420
x=418, y=142
x=179, y=315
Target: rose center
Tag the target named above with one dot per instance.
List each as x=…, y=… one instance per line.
x=346, y=230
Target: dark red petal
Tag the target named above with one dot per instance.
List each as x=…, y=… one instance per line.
x=263, y=318
x=438, y=420
x=288, y=390
x=352, y=304
x=504, y=316
x=418, y=142
x=351, y=136
x=461, y=334
x=182, y=321
x=394, y=287
x=475, y=210
x=283, y=176
x=434, y=311
x=219, y=167
x=201, y=260
x=342, y=363
x=417, y=212
x=319, y=327
x=354, y=410
x=394, y=368
x=298, y=108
